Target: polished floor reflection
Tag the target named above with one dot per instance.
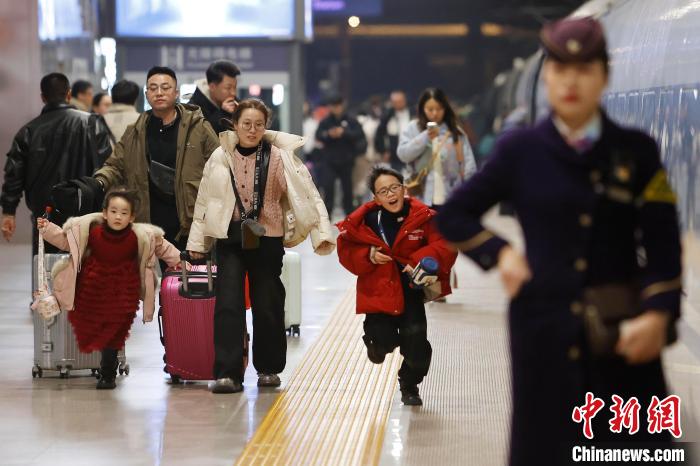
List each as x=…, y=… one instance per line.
x=144, y=421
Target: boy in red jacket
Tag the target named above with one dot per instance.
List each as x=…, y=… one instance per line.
x=381, y=242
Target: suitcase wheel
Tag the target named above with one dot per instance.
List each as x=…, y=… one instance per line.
x=37, y=372
x=293, y=331
x=123, y=369
x=175, y=380
x=64, y=373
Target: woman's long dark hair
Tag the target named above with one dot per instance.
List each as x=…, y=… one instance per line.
x=450, y=118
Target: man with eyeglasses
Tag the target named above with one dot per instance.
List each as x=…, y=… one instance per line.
x=161, y=157
x=216, y=95
x=382, y=242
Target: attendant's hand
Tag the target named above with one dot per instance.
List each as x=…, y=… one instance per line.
x=229, y=105
x=9, y=226
x=643, y=338
x=42, y=223
x=514, y=270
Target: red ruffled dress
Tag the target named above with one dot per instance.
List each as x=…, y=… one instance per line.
x=107, y=291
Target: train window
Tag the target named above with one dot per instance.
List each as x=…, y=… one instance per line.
x=633, y=108
x=605, y=103
x=648, y=111
x=621, y=108
x=665, y=126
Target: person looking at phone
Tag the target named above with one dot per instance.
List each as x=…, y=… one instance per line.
x=435, y=149
x=216, y=95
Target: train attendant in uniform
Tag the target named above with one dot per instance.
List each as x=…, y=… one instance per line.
x=588, y=313
x=382, y=242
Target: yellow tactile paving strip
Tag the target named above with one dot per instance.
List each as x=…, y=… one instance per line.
x=335, y=407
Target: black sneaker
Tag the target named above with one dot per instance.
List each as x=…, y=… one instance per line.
x=373, y=353
x=269, y=380
x=410, y=396
x=226, y=385
x=106, y=384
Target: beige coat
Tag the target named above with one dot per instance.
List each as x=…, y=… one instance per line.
x=304, y=211
x=73, y=237
x=119, y=117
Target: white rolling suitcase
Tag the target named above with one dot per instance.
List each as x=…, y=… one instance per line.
x=291, y=278
x=55, y=347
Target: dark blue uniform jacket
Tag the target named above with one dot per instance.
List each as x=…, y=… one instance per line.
x=603, y=216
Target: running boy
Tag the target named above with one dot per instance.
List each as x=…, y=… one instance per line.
x=382, y=242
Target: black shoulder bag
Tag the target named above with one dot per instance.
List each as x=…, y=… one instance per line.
x=247, y=231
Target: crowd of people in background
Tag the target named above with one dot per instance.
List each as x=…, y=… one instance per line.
x=427, y=143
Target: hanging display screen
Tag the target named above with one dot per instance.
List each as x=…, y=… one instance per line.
x=205, y=18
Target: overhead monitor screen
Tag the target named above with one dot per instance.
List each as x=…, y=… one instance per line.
x=205, y=18
x=60, y=19
x=347, y=7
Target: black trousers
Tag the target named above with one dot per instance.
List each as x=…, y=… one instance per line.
x=407, y=331
x=264, y=266
x=330, y=173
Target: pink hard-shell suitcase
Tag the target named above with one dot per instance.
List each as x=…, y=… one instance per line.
x=186, y=322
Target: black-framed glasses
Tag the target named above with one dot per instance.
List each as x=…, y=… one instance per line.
x=394, y=188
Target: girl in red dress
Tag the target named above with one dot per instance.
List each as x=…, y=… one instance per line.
x=114, y=254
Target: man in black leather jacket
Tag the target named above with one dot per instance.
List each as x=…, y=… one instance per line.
x=61, y=144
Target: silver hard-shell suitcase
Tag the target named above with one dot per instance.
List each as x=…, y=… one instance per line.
x=55, y=346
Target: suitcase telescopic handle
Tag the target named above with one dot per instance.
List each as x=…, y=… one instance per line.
x=185, y=257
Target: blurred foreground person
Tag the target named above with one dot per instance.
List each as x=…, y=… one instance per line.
x=587, y=312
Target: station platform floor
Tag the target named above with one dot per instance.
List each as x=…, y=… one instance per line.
x=334, y=407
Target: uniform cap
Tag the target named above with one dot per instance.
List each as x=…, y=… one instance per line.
x=574, y=40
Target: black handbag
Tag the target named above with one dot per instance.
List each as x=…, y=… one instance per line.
x=162, y=177
x=605, y=307
x=247, y=231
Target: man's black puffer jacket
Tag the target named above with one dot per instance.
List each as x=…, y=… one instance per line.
x=59, y=145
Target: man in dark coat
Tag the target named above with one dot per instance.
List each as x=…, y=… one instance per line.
x=343, y=140
x=216, y=95
x=589, y=195
x=392, y=124
x=62, y=143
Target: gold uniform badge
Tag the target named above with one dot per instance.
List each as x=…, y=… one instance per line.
x=659, y=189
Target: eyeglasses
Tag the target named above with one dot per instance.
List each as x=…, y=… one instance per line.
x=163, y=87
x=394, y=188
x=247, y=125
